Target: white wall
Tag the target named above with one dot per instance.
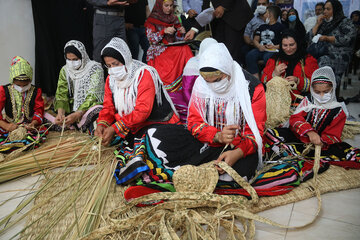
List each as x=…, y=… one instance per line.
x=17, y=36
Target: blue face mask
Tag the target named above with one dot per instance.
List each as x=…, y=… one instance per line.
x=292, y=18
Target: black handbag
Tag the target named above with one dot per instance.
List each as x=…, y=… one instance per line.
x=318, y=49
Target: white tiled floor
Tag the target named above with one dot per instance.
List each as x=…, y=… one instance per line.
x=339, y=218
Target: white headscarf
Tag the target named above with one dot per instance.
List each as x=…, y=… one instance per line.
x=236, y=99
x=125, y=93
x=325, y=74
x=192, y=66
x=81, y=81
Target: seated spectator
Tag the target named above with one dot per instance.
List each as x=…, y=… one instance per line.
x=252, y=26
x=311, y=21
x=293, y=22
x=267, y=39
x=162, y=28
x=135, y=16
x=283, y=16
x=80, y=90
x=339, y=34
x=22, y=103
x=291, y=63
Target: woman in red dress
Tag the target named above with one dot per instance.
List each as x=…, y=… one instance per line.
x=162, y=28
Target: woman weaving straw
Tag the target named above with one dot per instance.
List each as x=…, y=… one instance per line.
x=134, y=99
x=162, y=28
x=319, y=119
x=80, y=90
x=227, y=110
x=23, y=105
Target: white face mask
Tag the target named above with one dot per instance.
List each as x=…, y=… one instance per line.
x=260, y=9
x=118, y=73
x=22, y=89
x=220, y=86
x=75, y=65
x=267, y=21
x=329, y=20
x=322, y=99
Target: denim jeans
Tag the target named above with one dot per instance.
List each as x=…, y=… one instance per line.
x=253, y=57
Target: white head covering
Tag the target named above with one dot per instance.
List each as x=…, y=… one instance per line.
x=81, y=81
x=192, y=66
x=324, y=74
x=125, y=91
x=236, y=99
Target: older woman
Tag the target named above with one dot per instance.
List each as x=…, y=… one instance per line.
x=339, y=32
x=292, y=63
x=80, y=89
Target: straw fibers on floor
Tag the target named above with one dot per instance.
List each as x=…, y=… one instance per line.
x=335, y=179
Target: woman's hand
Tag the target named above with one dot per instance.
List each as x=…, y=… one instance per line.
x=182, y=30
x=219, y=12
x=99, y=131
x=292, y=79
x=72, y=118
x=320, y=19
x=11, y=127
x=227, y=135
x=32, y=125
x=314, y=138
x=108, y=135
x=60, y=116
x=170, y=30
x=230, y=157
x=279, y=69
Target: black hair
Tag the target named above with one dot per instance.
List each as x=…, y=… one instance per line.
x=320, y=4
x=111, y=52
x=274, y=10
x=74, y=50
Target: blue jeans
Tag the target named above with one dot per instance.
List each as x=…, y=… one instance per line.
x=135, y=37
x=253, y=57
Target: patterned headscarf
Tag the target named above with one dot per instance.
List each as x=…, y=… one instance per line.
x=158, y=14
x=20, y=69
x=81, y=81
x=338, y=15
x=127, y=89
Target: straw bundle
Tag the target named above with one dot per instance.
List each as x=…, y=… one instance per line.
x=278, y=102
x=46, y=157
x=351, y=128
x=18, y=134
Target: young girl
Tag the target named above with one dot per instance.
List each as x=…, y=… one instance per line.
x=163, y=28
x=319, y=119
x=22, y=102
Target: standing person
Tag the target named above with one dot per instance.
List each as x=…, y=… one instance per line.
x=267, y=39
x=109, y=22
x=162, y=28
x=135, y=16
x=339, y=34
x=80, y=89
x=311, y=21
x=21, y=101
x=192, y=8
x=252, y=26
x=228, y=25
x=293, y=22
